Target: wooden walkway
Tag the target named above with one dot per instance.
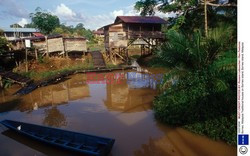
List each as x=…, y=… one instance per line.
x=98, y=59
x=14, y=77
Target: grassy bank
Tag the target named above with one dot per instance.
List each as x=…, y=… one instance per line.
x=46, y=74
x=49, y=67
x=199, y=92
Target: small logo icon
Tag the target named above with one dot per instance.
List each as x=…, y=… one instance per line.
x=243, y=149
x=243, y=139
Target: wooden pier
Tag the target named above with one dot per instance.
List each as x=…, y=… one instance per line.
x=98, y=59
x=14, y=77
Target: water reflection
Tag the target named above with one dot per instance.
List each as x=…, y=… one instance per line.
x=54, y=118
x=120, y=110
x=143, y=80
x=132, y=94
x=155, y=147
x=58, y=94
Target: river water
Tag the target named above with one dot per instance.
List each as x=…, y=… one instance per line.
x=116, y=105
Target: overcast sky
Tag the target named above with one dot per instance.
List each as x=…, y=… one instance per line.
x=92, y=13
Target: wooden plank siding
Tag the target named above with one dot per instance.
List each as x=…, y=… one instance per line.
x=75, y=44
x=55, y=45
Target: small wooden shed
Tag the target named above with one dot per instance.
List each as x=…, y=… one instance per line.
x=60, y=44
x=145, y=31
x=75, y=44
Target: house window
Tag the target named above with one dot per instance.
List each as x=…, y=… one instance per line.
x=120, y=36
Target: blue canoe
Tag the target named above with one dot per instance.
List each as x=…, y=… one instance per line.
x=73, y=141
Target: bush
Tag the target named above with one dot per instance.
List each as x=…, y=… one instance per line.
x=199, y=93
x=3, y=45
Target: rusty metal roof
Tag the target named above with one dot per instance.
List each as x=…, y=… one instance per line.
x=140, y=19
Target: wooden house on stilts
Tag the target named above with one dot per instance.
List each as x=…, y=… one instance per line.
x=145, y=31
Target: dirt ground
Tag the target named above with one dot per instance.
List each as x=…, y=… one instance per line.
x=52, y=63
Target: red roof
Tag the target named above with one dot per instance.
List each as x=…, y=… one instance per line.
x=37, y=34
x=140, y=19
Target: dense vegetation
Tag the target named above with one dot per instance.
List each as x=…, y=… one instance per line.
x=199, y=93
x=71, y=31
x=50, y=24
x=3, y=43
x=44, y=21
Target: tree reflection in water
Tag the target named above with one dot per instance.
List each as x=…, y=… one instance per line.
x=54, y=118
x=154, y=148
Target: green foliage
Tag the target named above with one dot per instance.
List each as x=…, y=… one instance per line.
x=15, y=25
x=43, y=60
x=29, y=25
x=58, y=30
x=200, y=90
x=72, y=31
x=3, y=45
x=146, y=7
x=193, y=51
x=6, y=83
x=221, y=128
x=44, y=21
x=88, y=64
x=1, y=32
x=189, y=14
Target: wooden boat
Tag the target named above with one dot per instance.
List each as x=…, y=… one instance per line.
x=73, y=141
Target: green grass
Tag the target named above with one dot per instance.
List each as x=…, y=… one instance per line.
x=42, y=75
x=110, y=65
x=95, y=47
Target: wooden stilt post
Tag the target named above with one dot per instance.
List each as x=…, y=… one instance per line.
x=1, y=82
x=66, y=52
x=141, y=49
x=36, y=55
x=26, y=59
x=127, y=55
x=47, y=47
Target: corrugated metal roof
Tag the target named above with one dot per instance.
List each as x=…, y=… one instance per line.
x=140, y=19
x=19, y=30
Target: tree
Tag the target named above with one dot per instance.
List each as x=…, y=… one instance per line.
x=3, y=45
x=15, y=25
x=44, y=21
x=146, y=7
x=29, y=25
x=1, y=32
x=184, y=7
x=58, y=30
x=79, y=26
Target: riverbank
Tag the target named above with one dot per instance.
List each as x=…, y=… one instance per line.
x=210, y=116
x=49, y=67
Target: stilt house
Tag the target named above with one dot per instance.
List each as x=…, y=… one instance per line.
x=132, y=30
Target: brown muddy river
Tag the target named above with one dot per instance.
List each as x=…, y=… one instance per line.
x=93, y=104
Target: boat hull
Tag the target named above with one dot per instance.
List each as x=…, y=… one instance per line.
x=68, y=140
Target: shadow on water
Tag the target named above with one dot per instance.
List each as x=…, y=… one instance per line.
x=10, y=105
x=53, y=117
x=38, y=146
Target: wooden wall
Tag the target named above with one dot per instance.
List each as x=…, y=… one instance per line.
x=75, y=45
x=55, y=44
x=61, y=44
x=117, y=37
